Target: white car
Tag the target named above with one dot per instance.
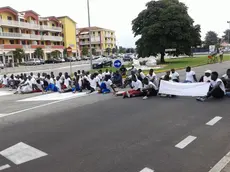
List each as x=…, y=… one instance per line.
x=1, y=65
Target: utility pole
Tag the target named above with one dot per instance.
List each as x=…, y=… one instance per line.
x=228, y=32
x=90, y=46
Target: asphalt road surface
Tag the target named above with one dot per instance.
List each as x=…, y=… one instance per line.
x=103, y=133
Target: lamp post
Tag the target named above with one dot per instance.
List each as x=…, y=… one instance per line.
x=90, y=46
x=228, y=32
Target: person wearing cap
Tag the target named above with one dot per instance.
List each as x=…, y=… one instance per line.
x=206, y=77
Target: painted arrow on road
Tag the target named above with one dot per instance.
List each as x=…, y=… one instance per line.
x=147, y=170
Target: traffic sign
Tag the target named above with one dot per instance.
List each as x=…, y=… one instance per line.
x=69, y=49
x=117, y=64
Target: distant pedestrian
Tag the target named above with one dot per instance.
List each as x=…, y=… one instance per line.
x=221, y=55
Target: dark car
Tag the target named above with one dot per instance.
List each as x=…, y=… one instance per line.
x=102, y=62
x=53, y=60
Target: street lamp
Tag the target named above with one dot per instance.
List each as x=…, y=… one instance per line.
x=228, y=32
x=90, y=46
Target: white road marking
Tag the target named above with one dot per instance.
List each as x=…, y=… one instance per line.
x=147, y=170
x=221, y=164
x=5, y=93
x=185, y=142
x=21, y=153
x=53, y=96
x=4, y=167
x=214, y=121
x=39, y=106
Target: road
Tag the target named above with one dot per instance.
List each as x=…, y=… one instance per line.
x=103, y=133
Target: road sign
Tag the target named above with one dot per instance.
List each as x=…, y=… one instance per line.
x=117, y=64
x=69, y=49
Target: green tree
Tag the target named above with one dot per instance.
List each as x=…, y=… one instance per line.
x=211, y=38
x=94, y=51
x=55, y=54
x=85, y=51
x=226, y=36
x=122, y=50
x=18, y=54
x=65, y=52
x=39, y=53
x=114, y=50
x=162, y=25
x=108, y=50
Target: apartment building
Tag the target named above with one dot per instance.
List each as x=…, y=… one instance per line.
x=27, y=30
x=101, y=39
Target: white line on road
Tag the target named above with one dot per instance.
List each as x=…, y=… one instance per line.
x=221, y=164
x=40, y=106
x=214, y=121
x=185, y=142
x=147, y=170
x=4, y=167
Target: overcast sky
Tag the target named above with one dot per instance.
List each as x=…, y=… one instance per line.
x=118, y=14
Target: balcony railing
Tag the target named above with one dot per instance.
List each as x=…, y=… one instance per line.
x=52, y=28
x=52, y=38
x=13, y=23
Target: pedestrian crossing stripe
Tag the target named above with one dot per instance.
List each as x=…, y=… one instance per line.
x=54, y=97
x=22, y=153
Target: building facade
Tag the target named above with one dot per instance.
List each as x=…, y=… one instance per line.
x=101, y=39
x=28, y=31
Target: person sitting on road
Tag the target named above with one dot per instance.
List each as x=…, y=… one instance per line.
x=226, y=79
x=25, y=87
x=93, y=83
x=107, y=85
x=51, y=84
x=190, y=76
x=136, y=90
x=152, y=76
x=150, y=89
x=140, y=75
x=217, y=89
x=106, y=73
x=123, y=71
x=206, y=77
x=67, y=87
x=58, y=84
x=174, y=76
x=117, y=79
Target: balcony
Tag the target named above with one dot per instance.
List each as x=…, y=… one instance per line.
x=12, y=23
x=84, y=43
x=83, y=36
x=9, y=35
x=52, y=38
x=51, y=28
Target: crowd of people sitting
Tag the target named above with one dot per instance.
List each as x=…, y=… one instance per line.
x=106, y=82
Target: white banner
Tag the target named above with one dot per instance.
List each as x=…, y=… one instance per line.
x=184, y=89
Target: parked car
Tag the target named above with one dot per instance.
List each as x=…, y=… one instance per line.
x=42, y=61
x=34, y=61
x=54, y=60
x=78, y=58
x=70, y=59
x=1, y=65
x=102, y=62
x=127, y=57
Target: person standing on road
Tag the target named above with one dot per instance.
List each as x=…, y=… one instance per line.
x=190, y=76
x=217, y=89
x=221, y=54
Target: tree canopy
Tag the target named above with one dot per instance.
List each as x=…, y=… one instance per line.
x=108, y=50
x=211, y=38
x=226, y=35
x=85, y=51
x=165, y=24
x=18, y=54
x=55, y=54
x=39, y=53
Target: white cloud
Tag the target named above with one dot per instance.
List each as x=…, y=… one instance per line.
x=118, y=14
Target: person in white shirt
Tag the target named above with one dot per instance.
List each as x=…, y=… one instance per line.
x=26, y=87
x=190, y=76
x=107, y=86
x=150, y=89
x=50, y=82
x=136, y=90
x=93, y=81
x=141, y=75
x=206, y=77
x=5, y=80
x=58, y=84
x=152, y=77
x=217, y=89
x=174, y=76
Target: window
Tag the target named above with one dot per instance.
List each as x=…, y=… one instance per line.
x=0, y=16
x=11, y=30
x=99, y=32
x=93, y=33
x=9, y=18
x=11, y=41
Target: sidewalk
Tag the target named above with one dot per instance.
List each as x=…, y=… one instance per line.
x=227, y=168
